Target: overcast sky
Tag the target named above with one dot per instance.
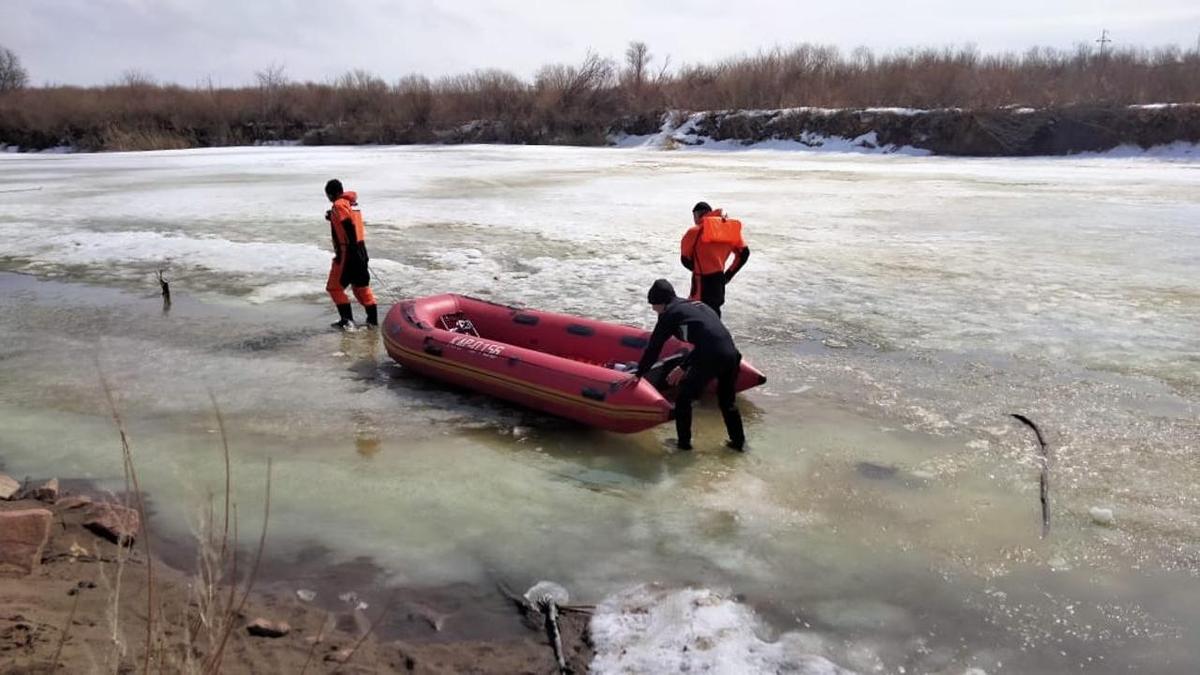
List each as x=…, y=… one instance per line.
x=187, y=41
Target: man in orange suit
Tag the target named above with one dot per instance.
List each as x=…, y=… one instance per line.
x=349, y=257
x=705, y=250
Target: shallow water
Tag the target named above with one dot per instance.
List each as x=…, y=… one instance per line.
x=888, y=513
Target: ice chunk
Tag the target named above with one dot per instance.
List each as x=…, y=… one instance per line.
x=649, y=629
x=1102, y=516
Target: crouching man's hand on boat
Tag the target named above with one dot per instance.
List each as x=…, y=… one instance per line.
x=675, y=376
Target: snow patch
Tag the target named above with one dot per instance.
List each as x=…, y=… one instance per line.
x=684, y=136
x=906, y=112
x=1176, y=150
x=649, y=629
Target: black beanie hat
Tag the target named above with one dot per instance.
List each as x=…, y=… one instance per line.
x=661, y=292
x=701, y=208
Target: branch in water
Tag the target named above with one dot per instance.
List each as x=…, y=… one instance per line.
x=166, y=291
x=1044, y=477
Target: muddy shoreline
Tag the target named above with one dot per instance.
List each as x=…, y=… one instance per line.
x=342, y=617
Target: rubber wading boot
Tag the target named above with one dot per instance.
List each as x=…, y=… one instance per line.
x=346, y=322
x=372, y=315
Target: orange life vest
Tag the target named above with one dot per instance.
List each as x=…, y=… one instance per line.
x=710, y=243
x=346, y=207
x=715, y=228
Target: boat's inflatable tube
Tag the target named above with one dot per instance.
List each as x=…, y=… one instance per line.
x=557, y=363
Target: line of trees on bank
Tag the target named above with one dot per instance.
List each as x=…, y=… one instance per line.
x=575, y=103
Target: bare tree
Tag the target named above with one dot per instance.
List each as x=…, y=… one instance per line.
x=12, y=73
x=662, y=72
x=637, y=57
x=271, y=83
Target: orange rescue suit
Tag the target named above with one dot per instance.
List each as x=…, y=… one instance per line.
x=349, y=252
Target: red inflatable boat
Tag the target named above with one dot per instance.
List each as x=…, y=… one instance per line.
x=561, y=364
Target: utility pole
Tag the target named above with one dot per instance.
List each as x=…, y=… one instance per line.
x=1101, y=80
x=1103, y=41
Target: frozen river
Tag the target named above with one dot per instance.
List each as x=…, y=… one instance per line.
x=887, y=516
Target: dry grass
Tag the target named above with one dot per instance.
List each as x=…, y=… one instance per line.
x=576, y=103
x=132, y=486
x=62, y=637
x=194, y=640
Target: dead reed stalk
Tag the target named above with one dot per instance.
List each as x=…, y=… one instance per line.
x=214, y=665
x=62, y=638
x=132, y=481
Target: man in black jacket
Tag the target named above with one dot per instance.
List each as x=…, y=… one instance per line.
x=713, y=355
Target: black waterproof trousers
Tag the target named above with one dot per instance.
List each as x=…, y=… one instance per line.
x=725, y=371
x=711, y=290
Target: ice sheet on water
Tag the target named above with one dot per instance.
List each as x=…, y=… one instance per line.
x=648, y=629
x=82, y=247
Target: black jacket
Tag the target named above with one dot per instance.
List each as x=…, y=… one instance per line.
x=692, y=322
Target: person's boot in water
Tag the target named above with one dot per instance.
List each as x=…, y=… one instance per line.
x=372, y=315
x=346, y=322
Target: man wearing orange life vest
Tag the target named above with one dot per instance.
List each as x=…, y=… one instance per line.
x=705, y=250
x=349, y=256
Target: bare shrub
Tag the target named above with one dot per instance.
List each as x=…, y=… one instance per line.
x=135, y=78
x=271, y=78
x=576, y=103
x=415, y=98
x=482, y=94
x=564, y=86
